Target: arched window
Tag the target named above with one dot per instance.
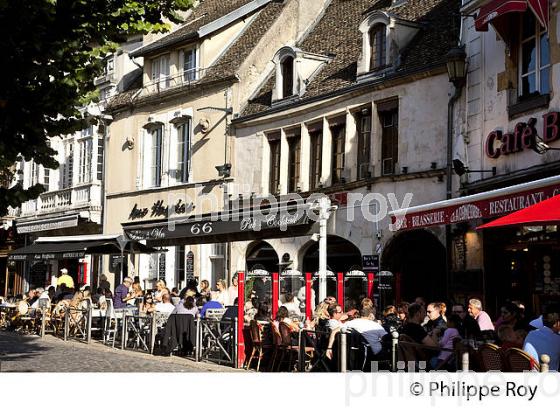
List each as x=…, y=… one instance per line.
x=287, y=76
x=377, y=46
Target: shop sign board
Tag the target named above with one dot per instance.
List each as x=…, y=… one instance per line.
x=477, y=209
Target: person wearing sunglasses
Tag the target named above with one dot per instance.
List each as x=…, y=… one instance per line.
x=336, y=316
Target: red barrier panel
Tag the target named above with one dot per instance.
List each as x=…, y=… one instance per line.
x=240, y=318
x=370, y=279
x=308, y=295
x=275, y=293
x=340, y=289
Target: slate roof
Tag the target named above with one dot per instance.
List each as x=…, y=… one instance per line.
x=337, y=33
x=206, y=12
x=227, y=64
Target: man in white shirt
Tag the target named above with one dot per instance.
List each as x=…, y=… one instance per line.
x=165, y=306
x=546, y=340
x=336, y=316
x=366, y=326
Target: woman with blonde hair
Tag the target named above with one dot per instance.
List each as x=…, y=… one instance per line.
x=222, y=294
x=161, y=289
x=204, y=288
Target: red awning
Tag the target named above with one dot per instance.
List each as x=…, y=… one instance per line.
x=494, y=10
x=543, y=213
x=498, y=8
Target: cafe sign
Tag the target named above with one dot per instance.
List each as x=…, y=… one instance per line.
x=160, y=209
x=524, y=136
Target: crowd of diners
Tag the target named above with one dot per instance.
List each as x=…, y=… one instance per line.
x=431, y=324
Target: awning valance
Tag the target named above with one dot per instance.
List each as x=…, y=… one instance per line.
x=544, y=213
x=70, y=247
x=494, y=11
x=488, y=204
x=238, y=225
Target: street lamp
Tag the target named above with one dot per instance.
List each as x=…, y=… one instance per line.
x=457, y=66
x=324, y=209
x=541, y=147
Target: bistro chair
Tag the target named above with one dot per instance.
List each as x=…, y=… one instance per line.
x=491, y=358
x=111, y=326
x=519, y=361
x=407, y=351
x=257, y=352
x=276, y=344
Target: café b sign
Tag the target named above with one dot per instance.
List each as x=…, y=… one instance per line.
x=524, y=136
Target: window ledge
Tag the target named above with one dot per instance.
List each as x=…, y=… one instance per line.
x=527, y=105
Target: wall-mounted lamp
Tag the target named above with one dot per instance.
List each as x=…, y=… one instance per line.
x=224, y=170
x=461, y=169
x=541, y=147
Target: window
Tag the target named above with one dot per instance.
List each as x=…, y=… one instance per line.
x=110, y=66
x=389, y=118
x=316, y=141
x=160, y=72
x=274, y=143
x=46, y=178
x=87, y=132
x=534, y=58
x=294, y=160
x=338, y=131
x=363, y=126
x=183, y=151
x=68, y=176
x=377, y=44
x=189, y=65
x=179, y=264
x=34, y=173
x=85, y=152
x=217, y=261
x=287, y=76
x=153, y=154
x=100, y=157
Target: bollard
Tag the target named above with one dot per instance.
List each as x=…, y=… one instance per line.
x=465, y=361
x=124, y=330
x=343, y=352
x=545, y=363
x=43, y=318
x=66, y=323
x=394, y=347
x=89, y=310
x=234, y=344
x=198, y=341
x=153, y=330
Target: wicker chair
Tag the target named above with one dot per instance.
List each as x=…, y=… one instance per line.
x=491, y=358
x=519, y=361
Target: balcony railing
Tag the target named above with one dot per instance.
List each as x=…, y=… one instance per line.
x=64, y=199
x=182, y=79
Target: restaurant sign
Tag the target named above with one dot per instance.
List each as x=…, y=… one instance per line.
x=191, y=227
x=477, y=209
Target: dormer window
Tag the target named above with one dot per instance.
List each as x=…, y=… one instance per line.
x=294, y=69
x=378, y=48
x=384, y=36
x=287, y=69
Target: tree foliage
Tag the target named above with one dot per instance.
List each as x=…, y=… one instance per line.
x=52, y=51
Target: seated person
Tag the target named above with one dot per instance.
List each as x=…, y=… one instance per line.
x=446, y=341
x=283, y=316
x=188, y=307
x=147, y=305
x=436, y=325
x=165, y=306
x=292, y=304
x=371, y=331
x=208, y=303
x=336, y=316
x=509, y=338
x=390, y=321
x=413, y=327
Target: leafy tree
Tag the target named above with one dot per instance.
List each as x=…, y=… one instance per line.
x=52, y=50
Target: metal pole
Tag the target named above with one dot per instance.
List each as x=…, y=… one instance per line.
x=66, y=323
x=324, y=204
x=153, y=331
x=395, y=344
x=89, y=315
x=43, y=317
x=465, y=362
x=234, y=344
x=198, y=341
x=343, y=363
x=124, y=331
x=301, y=351
x=122, y=265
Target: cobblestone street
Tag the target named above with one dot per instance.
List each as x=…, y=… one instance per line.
x=23, y=353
